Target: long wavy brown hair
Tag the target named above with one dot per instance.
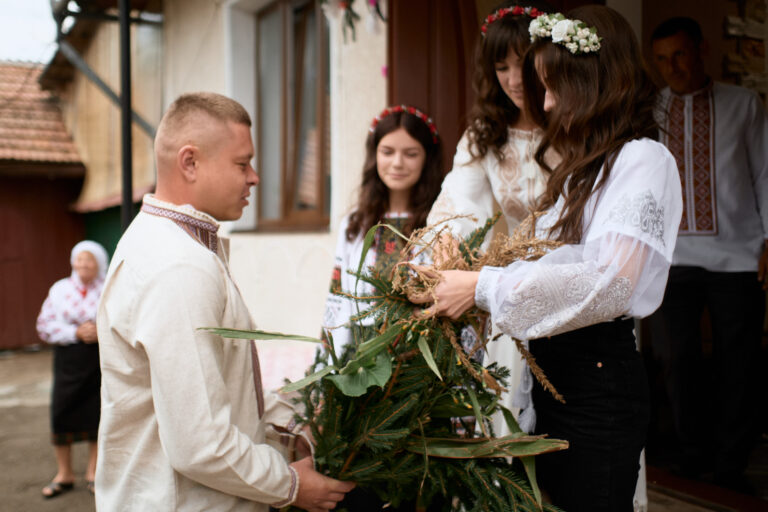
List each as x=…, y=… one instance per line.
x=493, y=112
x=373, y=201
x=603, y=100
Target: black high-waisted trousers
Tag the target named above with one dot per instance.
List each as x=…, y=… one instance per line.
x=600, y=374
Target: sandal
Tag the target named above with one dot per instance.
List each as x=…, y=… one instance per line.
x=91, y=486
x=56, y=488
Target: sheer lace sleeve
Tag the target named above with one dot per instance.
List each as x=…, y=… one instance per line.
x=338, y=308
x=465, y=191
x=620, y=269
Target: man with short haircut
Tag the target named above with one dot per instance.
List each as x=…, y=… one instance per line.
x=184, y=423
x=718, y=134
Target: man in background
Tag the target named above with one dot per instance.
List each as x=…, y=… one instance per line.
x=718, y=134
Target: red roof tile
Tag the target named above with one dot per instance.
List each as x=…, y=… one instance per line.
x=31, y=124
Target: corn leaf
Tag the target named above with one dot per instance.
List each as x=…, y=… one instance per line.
x=309, y=379
x=515, y=445
x=243, y=334
x=427, y=354
x=529, y=463
x=478, y=412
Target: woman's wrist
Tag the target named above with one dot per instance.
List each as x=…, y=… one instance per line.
x=483, y=286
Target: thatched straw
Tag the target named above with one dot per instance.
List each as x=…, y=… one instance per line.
x=419, y=284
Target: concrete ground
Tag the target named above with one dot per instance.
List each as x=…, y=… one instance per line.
x=27, y=462
x=26, y=454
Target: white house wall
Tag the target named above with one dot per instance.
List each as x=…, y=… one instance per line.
x=194, y=39
x=210, y=46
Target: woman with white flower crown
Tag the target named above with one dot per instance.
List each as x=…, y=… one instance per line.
x=614, y=201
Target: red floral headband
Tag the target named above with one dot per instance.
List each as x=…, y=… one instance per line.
x=410, y=110
x=531, y=12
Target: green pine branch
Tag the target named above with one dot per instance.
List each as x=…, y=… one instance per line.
x=405, y=411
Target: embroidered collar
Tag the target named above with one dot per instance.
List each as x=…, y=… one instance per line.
x=397, y=215
x=200, y=226
x=519, y=133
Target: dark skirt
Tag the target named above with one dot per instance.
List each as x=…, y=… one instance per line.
x=75, y=400
x=600, y=374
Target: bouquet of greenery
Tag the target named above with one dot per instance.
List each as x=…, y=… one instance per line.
x=405, y=413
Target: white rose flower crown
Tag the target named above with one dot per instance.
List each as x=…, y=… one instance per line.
x=575, y=35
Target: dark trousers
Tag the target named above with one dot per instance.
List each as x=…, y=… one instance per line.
x=717, y=426
x=601, y=375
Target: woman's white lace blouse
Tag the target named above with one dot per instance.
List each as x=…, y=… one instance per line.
x=620, y=268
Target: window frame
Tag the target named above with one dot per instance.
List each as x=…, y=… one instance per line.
x=291, y=218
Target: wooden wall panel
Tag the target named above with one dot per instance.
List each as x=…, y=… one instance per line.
x=39, y=233
x=431, y=43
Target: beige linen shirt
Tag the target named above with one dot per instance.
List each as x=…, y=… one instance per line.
x=180, y=428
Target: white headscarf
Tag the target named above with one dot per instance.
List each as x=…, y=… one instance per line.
x=96, y=250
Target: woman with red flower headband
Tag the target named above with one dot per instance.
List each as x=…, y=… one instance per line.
x=401, y=179
x=494, y=162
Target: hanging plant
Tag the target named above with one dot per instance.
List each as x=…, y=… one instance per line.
x=349, y=17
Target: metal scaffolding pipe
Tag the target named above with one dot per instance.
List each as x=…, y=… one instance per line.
x=81, y=65
x=126, y=211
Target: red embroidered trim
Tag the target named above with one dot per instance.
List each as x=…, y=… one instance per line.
x=291, y=493
x=703, y=172
x=203, y=232
x=676, y=145
x=257, y=379
x=695, y=162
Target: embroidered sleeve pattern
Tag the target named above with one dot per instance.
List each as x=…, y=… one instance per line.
x=641, y=199
x=338, y=308
x=466, y=191
x=640, y=212
x=442, y=208
x=563, y=298
x=336, y=314
x=333, y=302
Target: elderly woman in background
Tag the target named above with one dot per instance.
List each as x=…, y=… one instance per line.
x=68, y=322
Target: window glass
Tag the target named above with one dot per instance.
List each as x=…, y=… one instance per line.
x=306, y=141
x=270, y=116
